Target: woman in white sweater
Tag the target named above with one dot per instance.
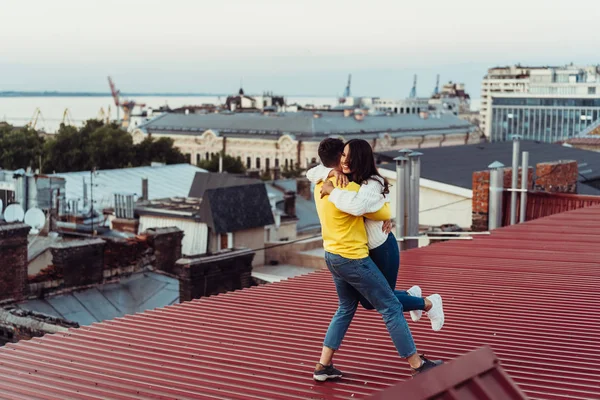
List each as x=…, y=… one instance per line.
x=357, y=163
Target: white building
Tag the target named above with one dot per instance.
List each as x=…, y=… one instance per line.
x=560, y=103
x=514, y=79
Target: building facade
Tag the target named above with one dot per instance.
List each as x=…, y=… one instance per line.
x=543, y=118
x=560, y=103
x=514, y=79
x=266, y=140
x=567, y=88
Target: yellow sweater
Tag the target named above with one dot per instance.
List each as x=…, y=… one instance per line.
x=344, y=234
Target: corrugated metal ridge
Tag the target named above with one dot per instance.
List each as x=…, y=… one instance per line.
x=528, y=291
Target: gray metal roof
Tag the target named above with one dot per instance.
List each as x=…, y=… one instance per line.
x=163, y=181
x=305, y=125
x=455, y=165
x=134, y=294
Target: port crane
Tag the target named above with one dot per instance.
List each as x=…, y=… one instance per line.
x=67, y=119
x=34, y=119
x=127, y=105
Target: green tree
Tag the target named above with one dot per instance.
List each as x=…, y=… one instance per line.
x=294, y=172
x=67, y=151
x=19, y=148
x=230, y=164
x=161, y=150
x=110, y=147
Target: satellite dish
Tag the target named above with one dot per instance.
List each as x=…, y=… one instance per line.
x=36, y=219
x=14, y=213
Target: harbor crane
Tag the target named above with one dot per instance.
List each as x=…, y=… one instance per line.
x=347, y=92
x=67, y=119
x=127, y=105
x=34, y=119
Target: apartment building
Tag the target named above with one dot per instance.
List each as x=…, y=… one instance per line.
x=513, y=79
x=558, y=104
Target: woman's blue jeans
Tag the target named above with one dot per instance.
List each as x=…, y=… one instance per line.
x=362, y=277
x=387, y=259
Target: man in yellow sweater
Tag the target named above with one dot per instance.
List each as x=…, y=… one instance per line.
x=354, y=273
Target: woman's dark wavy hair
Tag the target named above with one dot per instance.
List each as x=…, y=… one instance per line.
x=362, y=163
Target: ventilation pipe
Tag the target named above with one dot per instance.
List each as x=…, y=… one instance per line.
x=406, y=190
x=145, y=189
x=85, y=194
x=524, y=185
x=415, y=178
x=401, y=163
x=496, y=189
x=515, y=178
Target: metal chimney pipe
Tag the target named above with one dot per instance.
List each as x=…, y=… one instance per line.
x=220, y=163
x=515, y=178
x=496, y=189
x=85, y=195
x=524, y=186
x=145, y=189
x=406, y=190
x=415, y=178
x=400, y=201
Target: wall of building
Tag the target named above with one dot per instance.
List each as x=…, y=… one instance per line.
x=439, y=203
x=291, y=151
x=251, y=239
x=195, y=233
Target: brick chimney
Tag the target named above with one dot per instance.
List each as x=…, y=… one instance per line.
x=289, y=203
x=13, y=260
x=303, y=188
x=276, y=173
x=210, y=275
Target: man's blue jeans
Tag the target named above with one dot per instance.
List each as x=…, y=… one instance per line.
x=387, y=259
x=353, y=278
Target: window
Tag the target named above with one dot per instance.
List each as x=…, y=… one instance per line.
x=277, y=162
x=267, y=163
x=207, y=156
x=592, y=90
x=197, y=158
x=188, y=156
x=286, y=163
x=225, y=241
x=248, y=162
x=258, y=162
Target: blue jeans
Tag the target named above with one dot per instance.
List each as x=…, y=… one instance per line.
x=387, y=259
x=353, y=278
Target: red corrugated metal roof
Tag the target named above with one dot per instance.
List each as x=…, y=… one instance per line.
x=529, y=291
x=476, y=375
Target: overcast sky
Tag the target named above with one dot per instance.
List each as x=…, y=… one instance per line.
x=288, y=46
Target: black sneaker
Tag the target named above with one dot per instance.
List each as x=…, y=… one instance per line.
x=427, y=364
x=324, y=372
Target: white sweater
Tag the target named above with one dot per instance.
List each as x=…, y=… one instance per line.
x=368, y=199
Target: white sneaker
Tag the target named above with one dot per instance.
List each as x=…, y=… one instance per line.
x=416, y=314
x=436, y=314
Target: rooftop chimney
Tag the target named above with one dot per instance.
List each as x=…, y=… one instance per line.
x=145, y=189
x=289, y=203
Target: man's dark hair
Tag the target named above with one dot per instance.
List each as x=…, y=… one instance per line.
x=330, y=151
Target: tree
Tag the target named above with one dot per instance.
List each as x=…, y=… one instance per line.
x=19, y=148
x=230, y=164
x=110, y=147
x=294, y=172
x=67, y=151
x=161, y=150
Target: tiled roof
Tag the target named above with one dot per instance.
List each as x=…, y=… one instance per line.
x=455, y=165
x=304, y=124
x=528, y=291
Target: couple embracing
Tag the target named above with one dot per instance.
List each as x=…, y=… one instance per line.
x=361, y=253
